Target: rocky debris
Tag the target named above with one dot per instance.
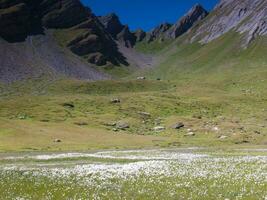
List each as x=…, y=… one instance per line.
x=141, y=78
x=222, y=137
x=257, y=132
x=197, y=116
x=81, y=123
x=247, y=17
x=22, y=116
x=110, y=124
x=57, y=140
x=190, y=134
x=178, y=125
x=196, y=14
x=215, y=128
x=158, y=32
x=144, y=114
x=139, y=35
x=159, y=128
x=122, y=125
x=68, y=105
x=116, y=100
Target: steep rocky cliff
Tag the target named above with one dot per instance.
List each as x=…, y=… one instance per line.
x=247, y=17
x=196, y=14
x=119, y=32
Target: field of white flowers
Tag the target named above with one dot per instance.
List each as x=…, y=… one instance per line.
x=136, y=174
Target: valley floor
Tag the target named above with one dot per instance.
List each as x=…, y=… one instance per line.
x=71, y=139
x=184, y=173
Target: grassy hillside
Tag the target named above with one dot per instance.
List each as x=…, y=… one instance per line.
x=216, y=90
x=83, y=117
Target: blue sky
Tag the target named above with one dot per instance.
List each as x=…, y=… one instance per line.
x=146, y=14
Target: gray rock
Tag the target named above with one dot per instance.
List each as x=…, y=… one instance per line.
x=177, y=125
x=110, y=124
x=222, y=137
x=68, y=105
x=144, y=114
x=159, y=128
x=141, y=78
x=190, y=134
x=122, y=125
x=57, y=140
x=116, y=100
x=81, y=123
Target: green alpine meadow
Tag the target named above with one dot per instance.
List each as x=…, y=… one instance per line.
x=91, y=108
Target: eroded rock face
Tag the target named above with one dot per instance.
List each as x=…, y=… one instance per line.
x=196, y=14
x=248, y=17
x=21, y=18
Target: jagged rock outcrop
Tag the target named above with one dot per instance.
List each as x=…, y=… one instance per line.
x=126, y=37
x=140, y=35
x=118, y=31
x=196, y=14
x=248, y=17
x=158, y=32
x=112, y=24
x=21, y=18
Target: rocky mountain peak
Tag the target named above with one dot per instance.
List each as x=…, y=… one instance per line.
x=194, y=15
x=119, y=32
x=158, y=32
x=140, y=35
x=126, y=37
x=112, y=24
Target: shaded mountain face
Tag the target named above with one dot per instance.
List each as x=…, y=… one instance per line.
x=112, y=24
x=18, y=19
x=119, y=32
x=196, y=14
x=21, y=18
x=248, y=17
